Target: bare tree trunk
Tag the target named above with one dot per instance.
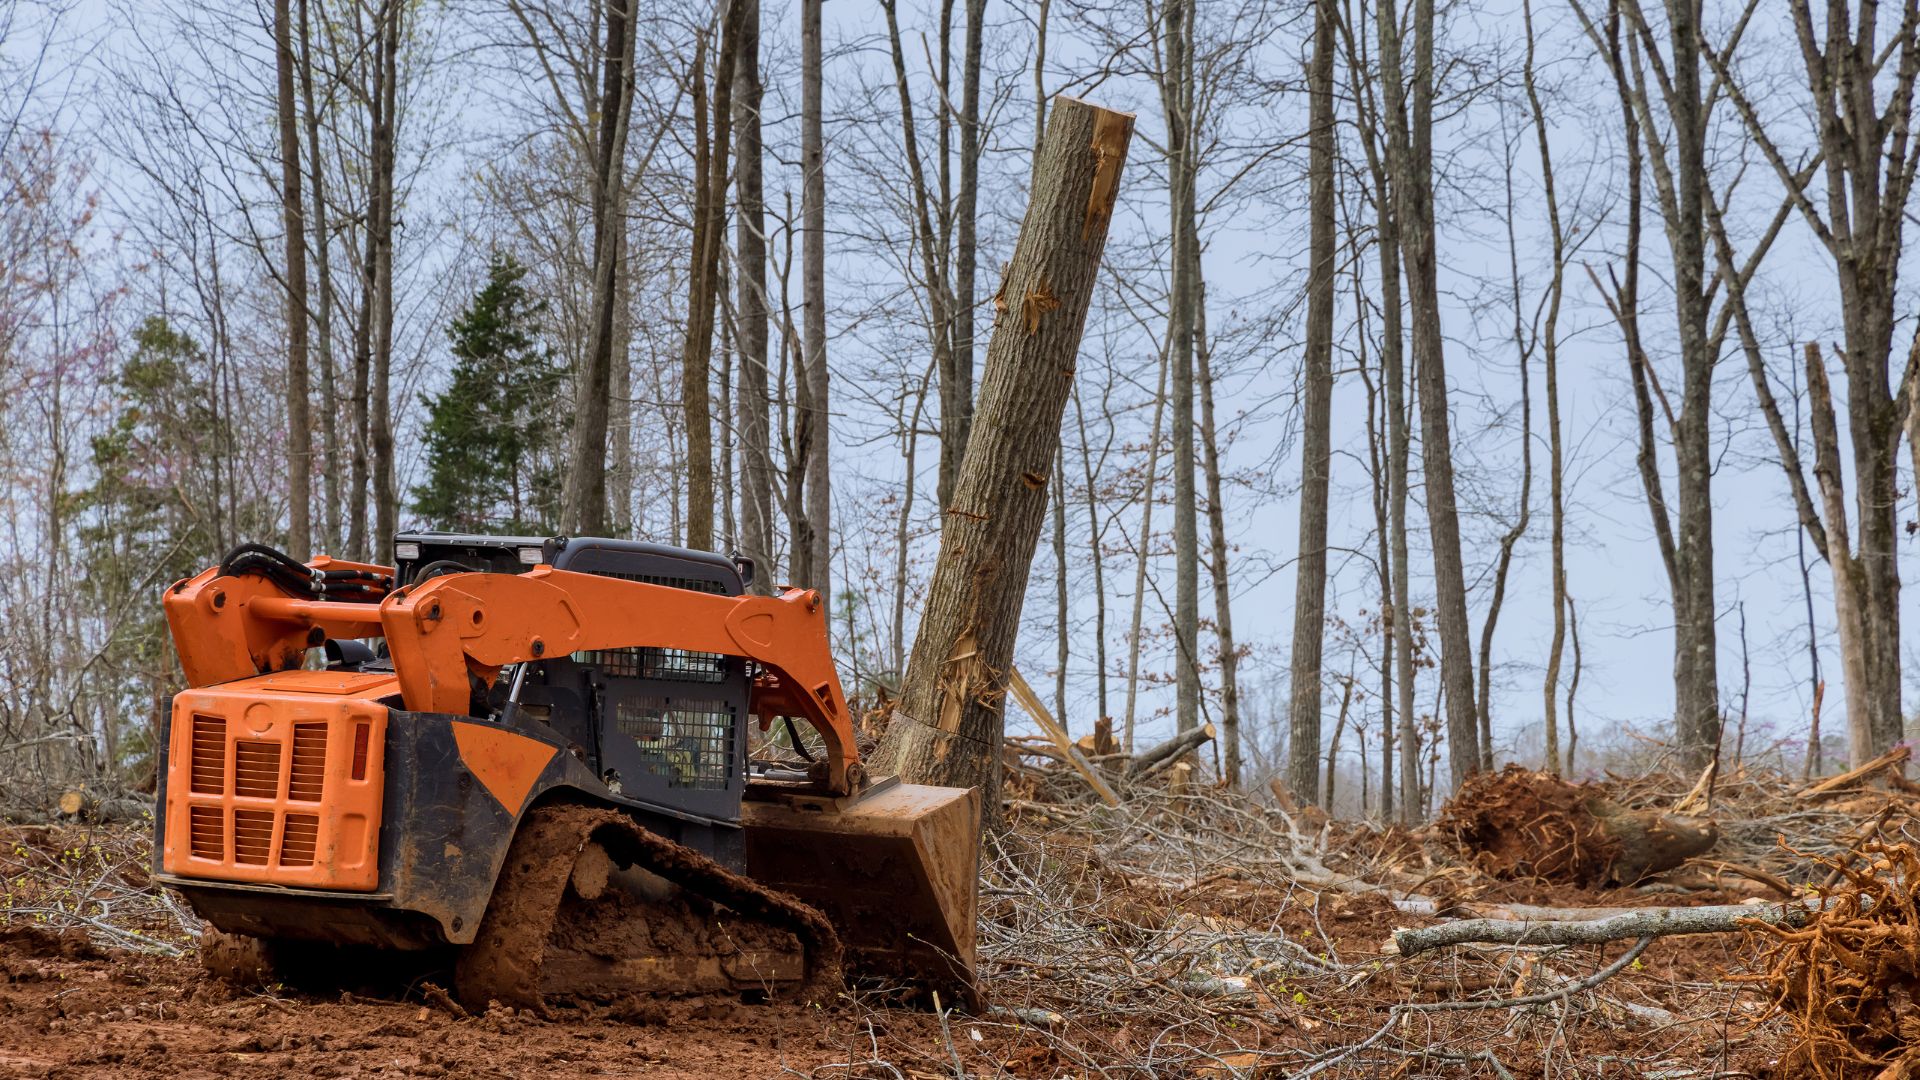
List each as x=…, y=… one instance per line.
x=294, y=221
x=949, y=726
x=750, y=270
x=1177, y=97
x=330, y=471
x=1098, y=560
x=704, y=290
x=586, y=492
x=1063, y=652
x=955, y=412
x=620, y=396
x=1143, y=550
x=966, y=252
x=1377, y=454
x=911, y=436
x=1556, y=461
x=1222, y=576
x=385, y=505
x=1415, y=205
x=811, y=563
x=1524, y=345
x=1339, y=729
x=1573, y=684
x=1393, y=376
x=1316, y=446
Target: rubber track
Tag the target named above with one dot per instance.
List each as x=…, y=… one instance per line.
x=503, y=963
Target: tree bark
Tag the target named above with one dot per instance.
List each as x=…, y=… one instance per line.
x=1142, y=551
x=1221, y=575
x=1415, y=206
x=1316, y=446
x=1177, y=98
x=385, y=505
x=1394, y=379
x=1644, y=923
x=949, y=726
x=811, y=565
x=586, y=493
x=750, y=272
x=956, y=410
x=1869, y=158
x=294, y=221
x=703, y=292
x=1550, y=355
x=331, y=520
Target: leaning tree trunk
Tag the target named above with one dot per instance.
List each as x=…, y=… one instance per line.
x=948, y=727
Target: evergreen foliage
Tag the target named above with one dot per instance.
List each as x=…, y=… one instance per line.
x=160, y=509
x=492, y=437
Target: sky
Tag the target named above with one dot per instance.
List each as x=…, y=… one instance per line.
x=1255, y=255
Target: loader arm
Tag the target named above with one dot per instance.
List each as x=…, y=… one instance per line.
x=455, y=627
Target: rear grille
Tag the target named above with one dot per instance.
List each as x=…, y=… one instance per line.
x=306, y=777
x=208, y=828
x=208, y=774
x=299, y=837
x=252, y=836
x=275, y=789
x=256, y=768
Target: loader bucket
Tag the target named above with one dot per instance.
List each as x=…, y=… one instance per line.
x=895, y=869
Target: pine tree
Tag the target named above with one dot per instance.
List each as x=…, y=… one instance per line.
x=160, y=508
x=493, y=433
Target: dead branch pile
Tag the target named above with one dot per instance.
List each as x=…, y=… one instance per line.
x=1518, y=823
x=91, y=882
x=1848, y=980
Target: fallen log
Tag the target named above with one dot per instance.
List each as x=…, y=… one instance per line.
x=1642, y=923
x=1153, y=760
x=1894, y=759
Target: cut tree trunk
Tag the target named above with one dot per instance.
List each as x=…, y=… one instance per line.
x=949, y=725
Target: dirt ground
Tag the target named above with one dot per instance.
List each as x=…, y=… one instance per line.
x=1130, y=949
x=70, y=1010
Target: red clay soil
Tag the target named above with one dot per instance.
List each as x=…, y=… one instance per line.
x=68, y=1010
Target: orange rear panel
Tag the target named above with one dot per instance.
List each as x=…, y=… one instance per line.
x=276, y=780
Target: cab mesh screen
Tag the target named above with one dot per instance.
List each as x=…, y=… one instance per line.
x=687, y=740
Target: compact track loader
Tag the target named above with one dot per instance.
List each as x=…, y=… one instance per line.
x=535, y=752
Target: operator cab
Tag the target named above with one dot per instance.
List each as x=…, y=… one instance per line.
x=662, y=726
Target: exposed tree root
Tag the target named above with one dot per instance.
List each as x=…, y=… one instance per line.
x=1518, y=823
x=1848, y=980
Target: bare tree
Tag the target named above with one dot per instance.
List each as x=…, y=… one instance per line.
x=1409, y=109
x=1316, y=447
x=1685, y=534
x=293, y=215
x=1867, y=156
x=811, y=538
x=750, y=274
x=1177, y=83
x=705, y=284
x=585, y=510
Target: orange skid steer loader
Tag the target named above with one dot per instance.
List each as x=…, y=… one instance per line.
x=544, y=764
